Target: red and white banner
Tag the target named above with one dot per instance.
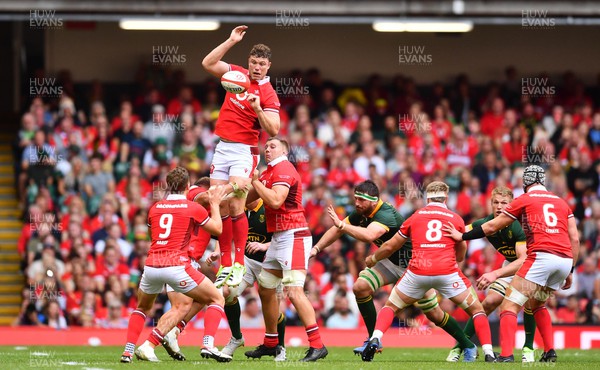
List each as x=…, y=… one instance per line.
x=580, y=337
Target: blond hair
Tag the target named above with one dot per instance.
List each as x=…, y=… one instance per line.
x=503, y=191
x=437, y=191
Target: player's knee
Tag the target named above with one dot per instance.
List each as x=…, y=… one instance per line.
x=361, y=288
x=295, y=294
x=218, y=299
x=396, y=300
x=490, y=305
x=540, y=297
x=268, y=280
x=428, y=304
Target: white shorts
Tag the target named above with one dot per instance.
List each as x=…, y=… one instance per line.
x=546, y=269
x=383, y=273
x=253, y=268
x=194, y=264
x=450, y=285
x=181, y=278
x=234, y=159
x=289, y=250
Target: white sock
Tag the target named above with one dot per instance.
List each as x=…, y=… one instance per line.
x=209, y=341
x=377, y=334
x=488, y=349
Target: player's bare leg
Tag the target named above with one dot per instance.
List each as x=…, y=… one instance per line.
x=239, y=224
x=306, y=313
x=468, y=301
x=184, y=303
x=137, y=320
x=517, y=295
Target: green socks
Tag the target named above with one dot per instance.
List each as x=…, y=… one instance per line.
x=233, y=312
x=368, y=312
x=451, y=327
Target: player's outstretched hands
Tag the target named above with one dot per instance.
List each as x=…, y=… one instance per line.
x=213, y=257
x=313, y=253
x=336, y=220
x=451, y=231
x=486, y=279
x=254, y=247
x=238, y=33
x=216, y=194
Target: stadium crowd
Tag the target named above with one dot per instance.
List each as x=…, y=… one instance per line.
x=90, y=164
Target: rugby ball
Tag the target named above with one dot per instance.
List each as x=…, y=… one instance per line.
x=235, y=82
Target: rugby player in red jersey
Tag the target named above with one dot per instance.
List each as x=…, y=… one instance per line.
x=241, y=118
x=552, y=249
x=286, y=261
x=171, y=223
x=433, y=266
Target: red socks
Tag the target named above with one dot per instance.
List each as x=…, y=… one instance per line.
x=384, y=319
x=544, y=325
x=137, y=320
x=156, y=337
x=181, y=325
x=239, y=225
x=271, y=340
x=482, y=328
x=212, y=318
x=314, y=337
x=508, y=327
x=225, y=240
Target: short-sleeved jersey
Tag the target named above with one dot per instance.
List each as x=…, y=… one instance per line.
x=291, y=213
x=200, y=237
x=387, y=217
x=171, y=223
x=544, y=217
x=257, y=230
x=237, y=120
x=433, y=252
x=505, y=241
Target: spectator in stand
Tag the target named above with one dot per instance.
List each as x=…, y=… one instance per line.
x=124, y=120
x=493, y=118
x=587, y=279
x=571, y=313
x=367, y=157
x=97, y=183
x=114, y=234
x=516, y=148
x=342, y=317
x=115, y=318
x=53, y=316
x=186, y=97
x=460, y=151
x=251, y=316
x=110, y=264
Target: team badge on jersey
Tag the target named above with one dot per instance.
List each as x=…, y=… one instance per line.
x=261, y=219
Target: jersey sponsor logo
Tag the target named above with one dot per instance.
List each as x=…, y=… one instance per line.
x=436, y=213
x=433, y=245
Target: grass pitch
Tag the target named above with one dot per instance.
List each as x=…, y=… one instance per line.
x=99, y=358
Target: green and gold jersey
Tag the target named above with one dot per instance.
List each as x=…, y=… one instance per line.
x=387, y=217
x=505, y=240
x=257, y=230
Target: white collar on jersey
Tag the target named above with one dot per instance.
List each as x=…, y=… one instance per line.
x=277, y=160
x=537, y=187
x=175, y=197
x=437, y=204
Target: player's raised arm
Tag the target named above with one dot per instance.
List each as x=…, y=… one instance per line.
x=269, y=121
x=364, y=234
x=212, y=63
x=386, y=249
